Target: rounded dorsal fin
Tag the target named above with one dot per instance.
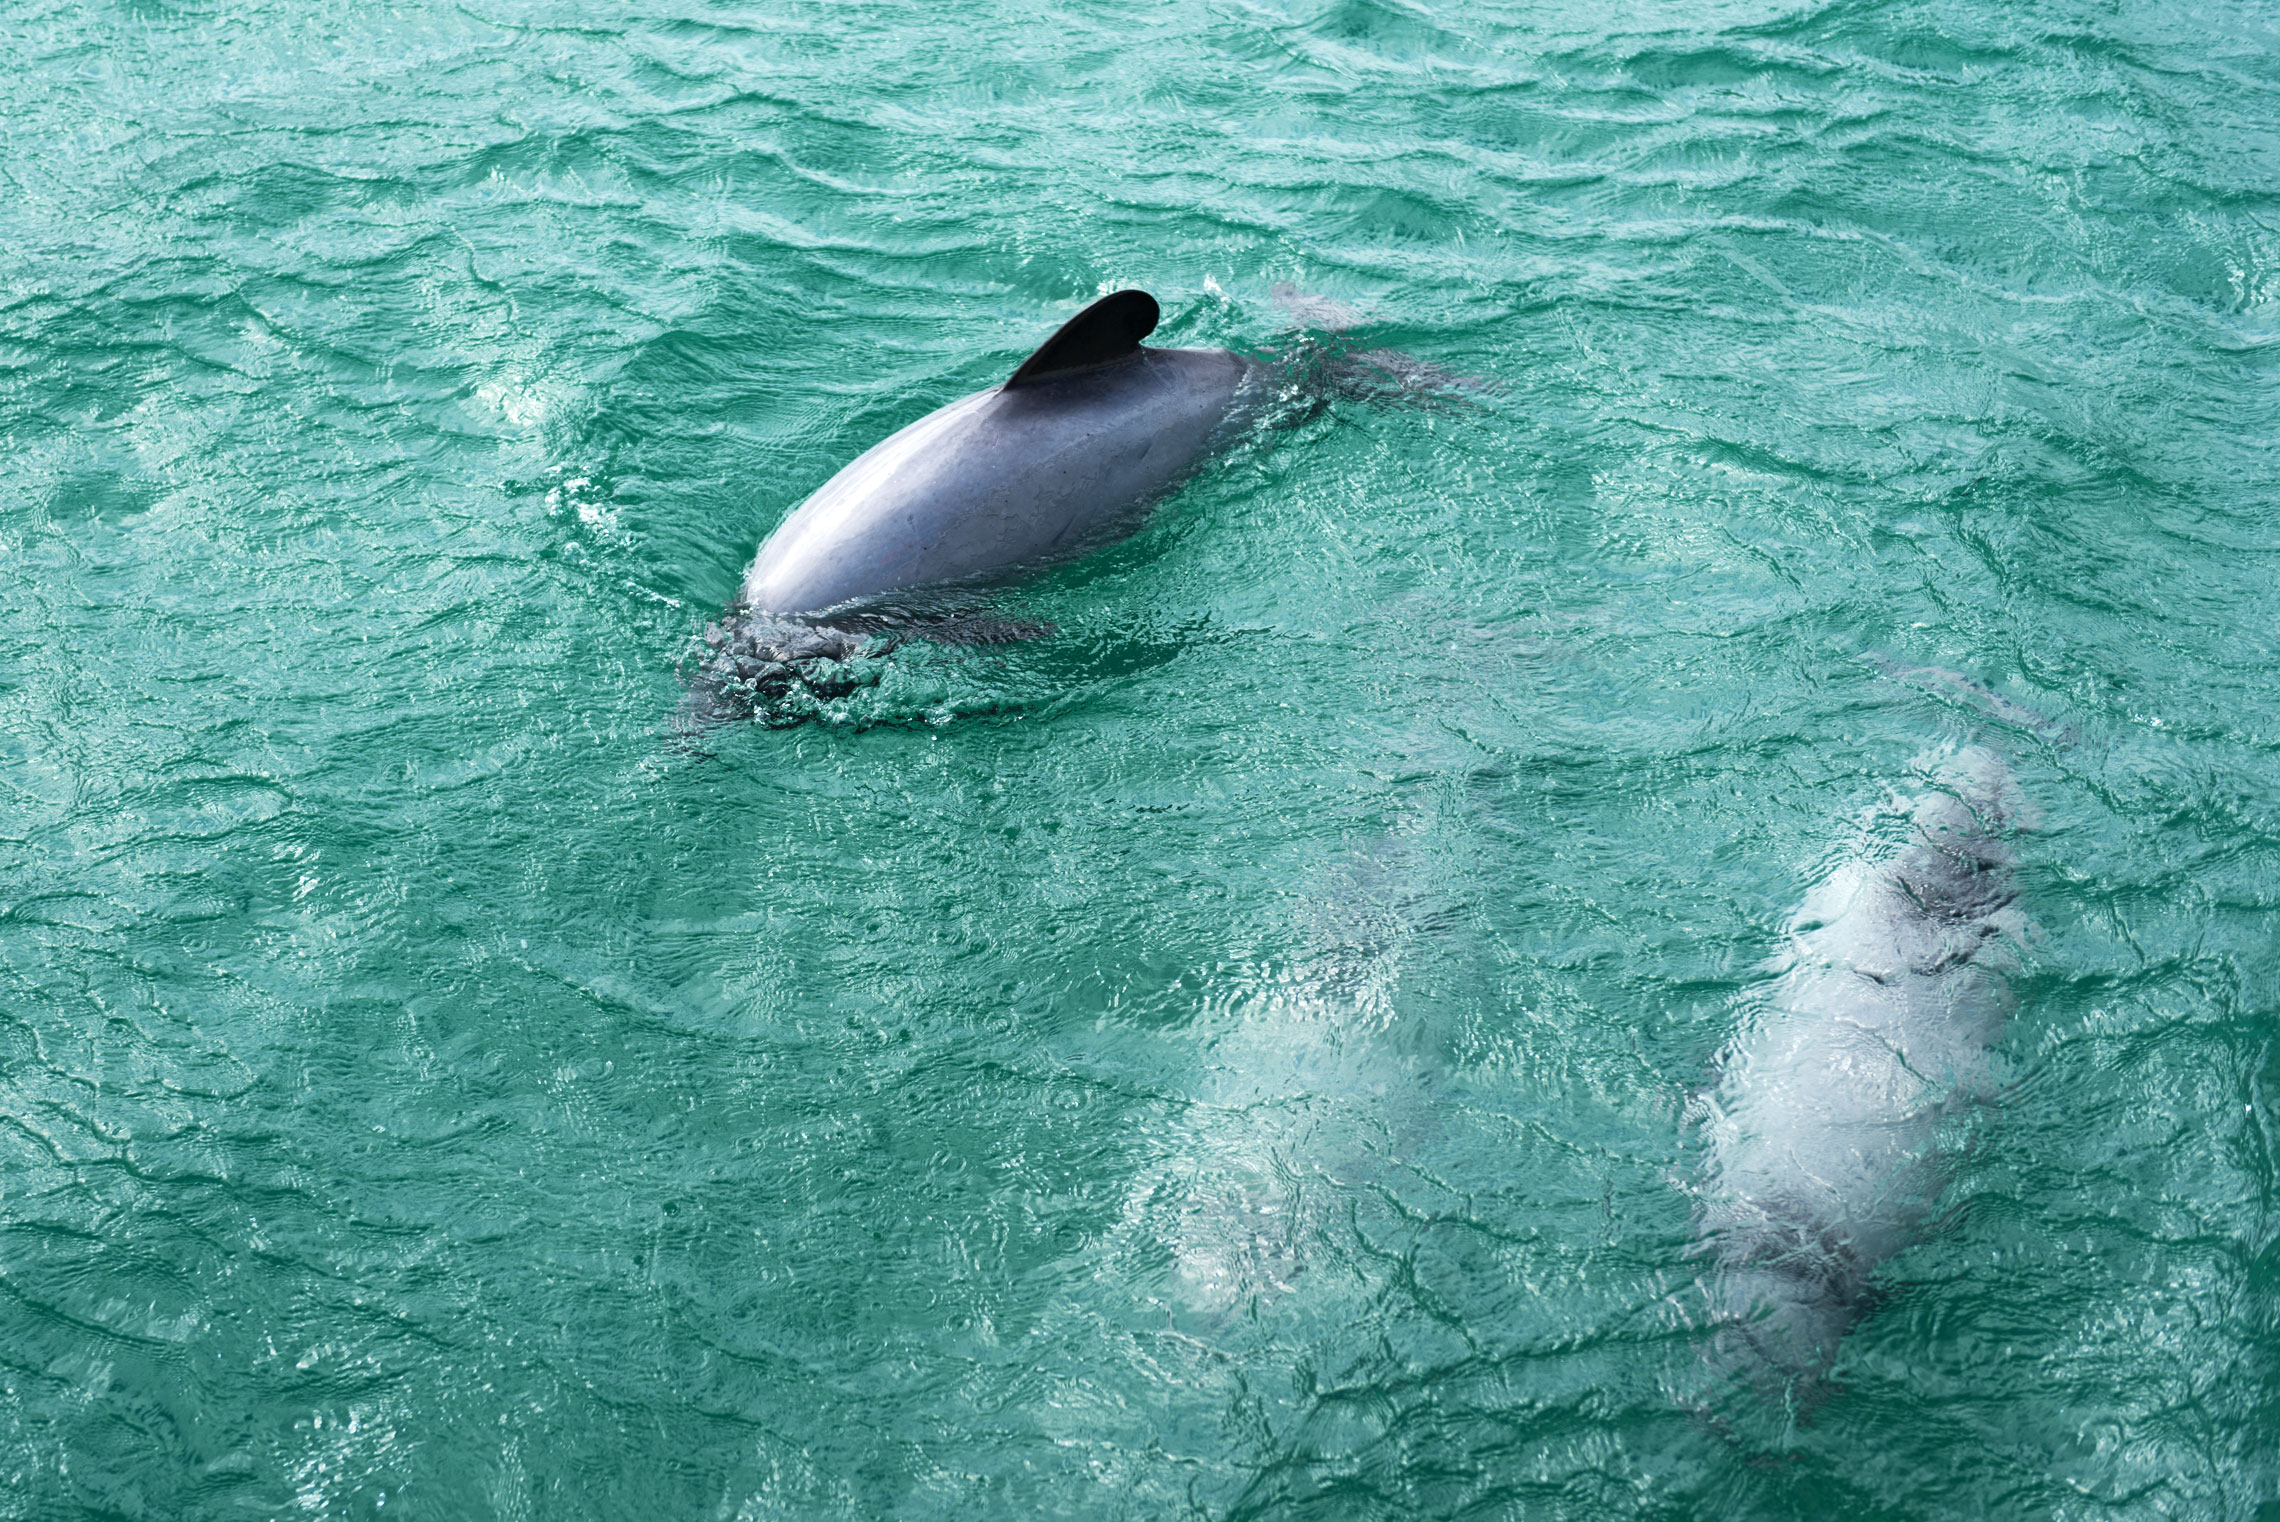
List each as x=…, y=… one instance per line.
x=1109, y=329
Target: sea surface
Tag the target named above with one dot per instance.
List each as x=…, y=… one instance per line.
x=1238, y=1056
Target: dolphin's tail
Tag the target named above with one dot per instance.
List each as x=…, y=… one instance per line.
x=1779, y=1325
x=1324, y=365
x=1391, y=378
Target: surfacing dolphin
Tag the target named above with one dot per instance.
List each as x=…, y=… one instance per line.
x=1091, y=424
x=1056, y=460
x=1826, y=1124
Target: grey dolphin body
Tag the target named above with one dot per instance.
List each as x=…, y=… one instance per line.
x=1056, y=460
x=1826, y=1123
x=1091, y=426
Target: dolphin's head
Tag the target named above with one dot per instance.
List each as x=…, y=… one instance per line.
x=1959, y=866
x=753, y=667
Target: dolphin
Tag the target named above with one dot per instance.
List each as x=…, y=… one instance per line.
x=1055, y=460
x=1826, y=1125
x=1089, y=427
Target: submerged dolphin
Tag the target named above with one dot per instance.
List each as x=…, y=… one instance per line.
x=1824, y=1127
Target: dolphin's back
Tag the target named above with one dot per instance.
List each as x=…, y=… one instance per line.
x=1007, y=476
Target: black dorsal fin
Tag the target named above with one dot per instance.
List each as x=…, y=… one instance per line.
x=1110, y=329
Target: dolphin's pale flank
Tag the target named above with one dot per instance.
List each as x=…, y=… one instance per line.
x=1826, y=1122
x=1091, y=426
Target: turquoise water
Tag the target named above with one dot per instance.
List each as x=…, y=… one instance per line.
x=1231, y=1058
